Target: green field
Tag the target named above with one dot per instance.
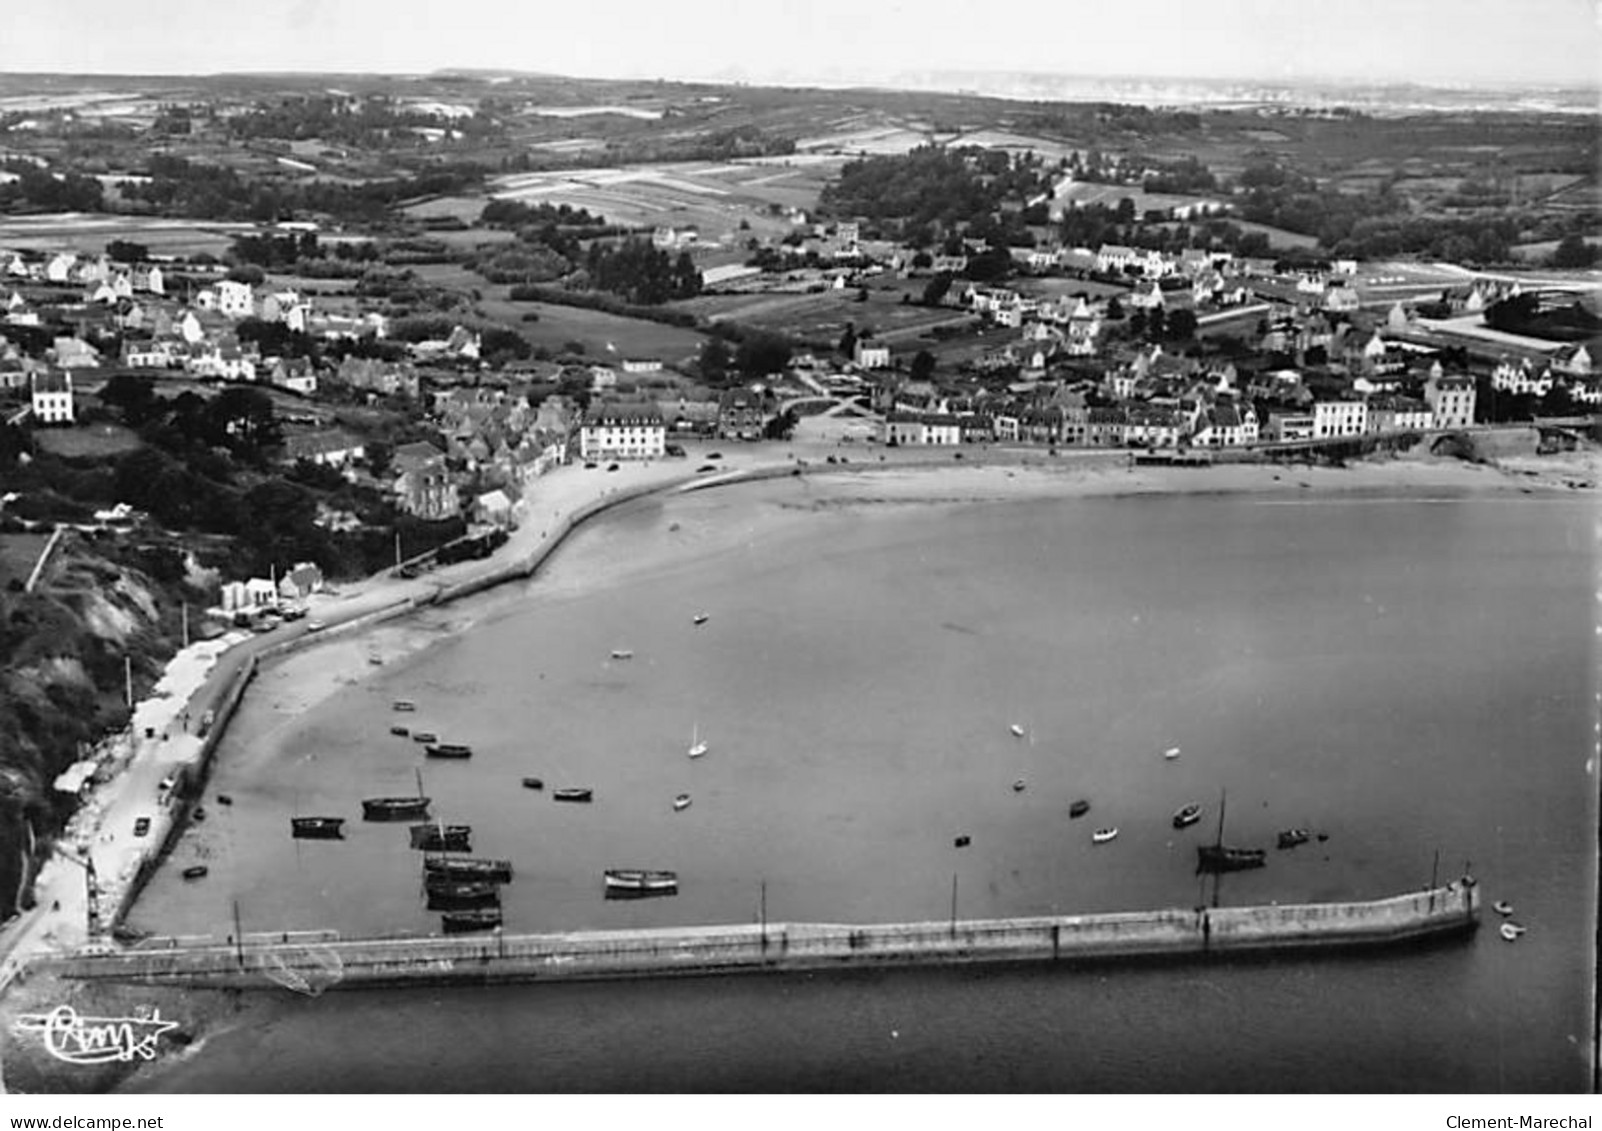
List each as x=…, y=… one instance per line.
x=18, y=553
x=89, y=441
x=607, y=338
x=89, y=234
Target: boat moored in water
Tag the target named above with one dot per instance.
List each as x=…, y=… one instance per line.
x=317, y=828
x=424, y=736
x=400, y=730
x=622, y=653
x=1187, y=815
x=462, y=922
x=1511, y=931
x=1171, y=753
x=1017, y=730
x=626, y=883
x=456, y=895
x=572, y=794
x=405, y=705
x=448, y=750
x=533, y=783
x=699, y=618
x=1102, y=836
x=1019, y=785
x=1079, y=808
x=1502, y=907
x=1290, y=838
x=681, y=802
x=195, y=872
x=468, y=868
x=442, y=838
x=394, y=808
x=1222, y=858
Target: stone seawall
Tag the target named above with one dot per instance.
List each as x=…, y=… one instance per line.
x=313, y=966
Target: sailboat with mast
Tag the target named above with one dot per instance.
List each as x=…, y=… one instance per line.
x=697, y=746
x=397, y=808
x=1219, y=857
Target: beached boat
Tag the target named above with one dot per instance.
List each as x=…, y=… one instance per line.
x=1079, y=808
x=400, y=730
x=1187, y=815
x=533, y=783
x=1017, y=730
x=681, y=802
x=455, y=895
x=630, y=883
x=1511, y=931
x=424, y=736
x=448, y=750
x=317, y=828
x=1502, y=907
x=468, y=868
x=404, y=705
x=622, y=653
x=697, y=747
x=572, y=794
x=1102, y=836
x=1171, y=753
x=195, y=872
x=1290, y=838
x=442, y=838
x=462, y=922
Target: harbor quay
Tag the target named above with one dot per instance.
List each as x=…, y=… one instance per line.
x=321, y=961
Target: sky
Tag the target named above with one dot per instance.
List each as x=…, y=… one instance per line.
x=1474, y=42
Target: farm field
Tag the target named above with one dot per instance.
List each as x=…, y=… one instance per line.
x=712, y=197
x=1051, y=287
x=85, y=233
x=822, y=318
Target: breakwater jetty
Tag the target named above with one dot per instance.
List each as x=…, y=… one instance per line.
x=313, y=963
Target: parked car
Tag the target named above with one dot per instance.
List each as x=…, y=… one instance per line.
x=141, y=826
x=315, y=626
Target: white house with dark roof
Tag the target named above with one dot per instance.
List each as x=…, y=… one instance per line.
x=1451, y=398
x=52, y=396
x=623, y=430
x=330, y=447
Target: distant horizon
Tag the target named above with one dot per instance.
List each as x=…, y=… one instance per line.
x=1432, y=43
x=866, y=81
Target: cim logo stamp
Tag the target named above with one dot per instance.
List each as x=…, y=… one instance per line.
x=77, y=1039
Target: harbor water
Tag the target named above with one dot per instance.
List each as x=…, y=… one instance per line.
x=1413, y=679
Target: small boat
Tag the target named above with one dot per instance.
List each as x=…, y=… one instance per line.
x=533, y=783
x=1290, y=838
x=442, y=838
x=456, y=895
x=199, y=813
x=196, y=872
x=622, y=653
x=424, y=736
x=627, y=883
x=396, y=808
x=404, y=705
x=1018, y=786
x=1502, y=907
x=681, y=802
x=1017, y=730
x=1102, y=836
x=400, y=730
x=317, y=828
x=1079, y=808
x=1511, y=931
x=699, y=618
x=468, y=868
x=1187, y=815
x=224, y=799
x=448, y=750
x=1222, y=858
x=375, y=659
x=572, y=794
x=462, y=922
x=1171, y=753
x=697, y=747
x=962, y=842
